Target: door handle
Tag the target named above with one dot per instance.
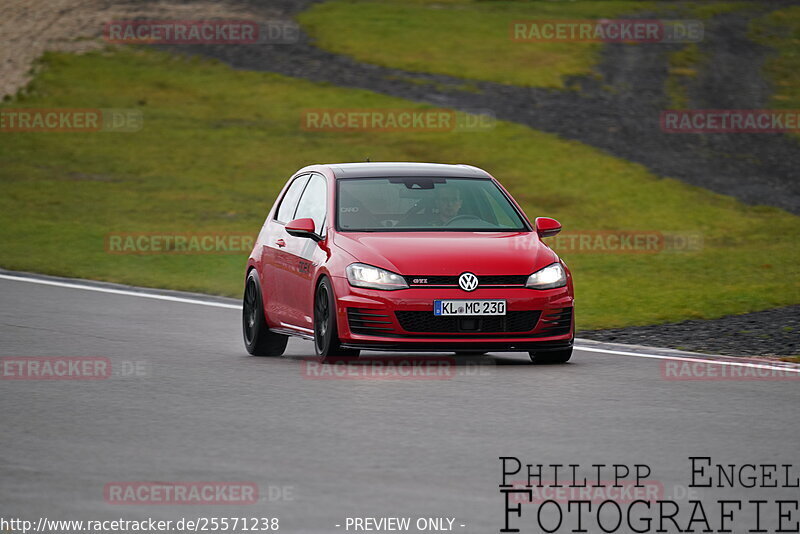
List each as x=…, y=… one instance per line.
x=280, y=243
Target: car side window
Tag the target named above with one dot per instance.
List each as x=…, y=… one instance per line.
x=313, y=203
x=288, y=204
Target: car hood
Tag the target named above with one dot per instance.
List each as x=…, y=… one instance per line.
x=449, y=253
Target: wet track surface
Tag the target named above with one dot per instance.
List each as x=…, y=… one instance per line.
x=200, y=409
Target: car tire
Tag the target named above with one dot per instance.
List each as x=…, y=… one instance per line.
x=551, y=357
x=326, y=337
x=258, y=340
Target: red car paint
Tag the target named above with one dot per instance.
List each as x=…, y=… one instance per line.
x=289, y=268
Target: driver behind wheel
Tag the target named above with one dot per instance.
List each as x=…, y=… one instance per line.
x=448, y=204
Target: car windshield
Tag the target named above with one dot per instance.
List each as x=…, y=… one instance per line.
x=424, y=204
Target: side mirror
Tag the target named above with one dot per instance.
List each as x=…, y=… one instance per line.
x=547, y=227
x=302, y=228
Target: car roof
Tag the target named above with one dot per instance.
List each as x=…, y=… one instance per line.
x=388, y=168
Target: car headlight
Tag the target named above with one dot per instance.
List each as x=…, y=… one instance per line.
x=362, y=275
x=548, y=277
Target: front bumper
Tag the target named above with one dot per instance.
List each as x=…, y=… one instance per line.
x=536, y=320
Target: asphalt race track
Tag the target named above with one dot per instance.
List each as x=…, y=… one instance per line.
x=186, y=403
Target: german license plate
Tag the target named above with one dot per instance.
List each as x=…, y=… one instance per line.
x=469, y=307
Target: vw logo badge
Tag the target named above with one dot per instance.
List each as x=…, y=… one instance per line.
x=468, y=282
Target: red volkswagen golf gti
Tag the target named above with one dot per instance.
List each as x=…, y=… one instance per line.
x=405, y=257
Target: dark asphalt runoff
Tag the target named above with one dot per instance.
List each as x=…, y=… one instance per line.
x=185, y=402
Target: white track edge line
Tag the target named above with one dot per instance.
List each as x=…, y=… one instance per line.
x=88, y=287
x=693, y=360
x=169, y=298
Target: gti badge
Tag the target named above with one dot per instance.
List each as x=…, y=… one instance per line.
x=468, y=282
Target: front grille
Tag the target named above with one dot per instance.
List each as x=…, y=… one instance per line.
x=492, y=280
x=557, y=322
x=368, y=322
x=425, y=321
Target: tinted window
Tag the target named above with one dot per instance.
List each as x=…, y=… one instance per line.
x=424, y=203
x=313, y=202
x=289, y=203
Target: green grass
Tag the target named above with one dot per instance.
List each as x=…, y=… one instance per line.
x=217, y=144
x=683, y=68
x=467, y=39
x=780, y=30
x=471, y=39
x=704, y=10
